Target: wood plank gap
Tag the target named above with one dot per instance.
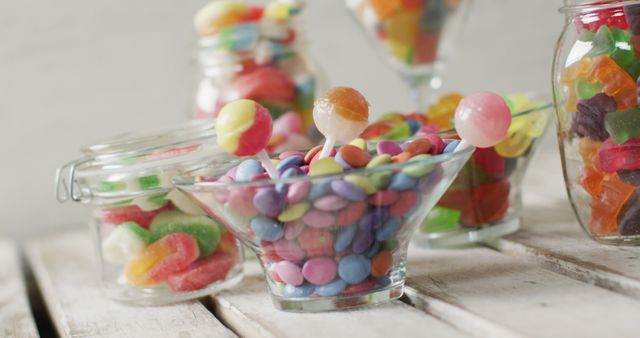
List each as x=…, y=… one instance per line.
x=16, y=318
x=572, y=267
x=456, y=316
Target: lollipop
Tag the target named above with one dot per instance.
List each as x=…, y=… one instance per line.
x=482, y=119
x=244, y=128
x=340, y=115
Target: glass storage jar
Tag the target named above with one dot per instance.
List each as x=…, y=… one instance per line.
x=154, y=245
x=260, y=56
x=596, y=68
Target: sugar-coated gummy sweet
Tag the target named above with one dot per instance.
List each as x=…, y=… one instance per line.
x=629, y=217
x=614, y=157
x=203, y=229
x=203, y=272
x=130, y=213
x=354, y=269
x=168, y=255
x=264, y=84
x=124, y=242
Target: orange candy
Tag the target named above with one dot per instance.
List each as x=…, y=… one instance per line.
x=354, y=156
x=385, y=8
x=348, y=103
x=443, y=111
x=615, y=80
x=591, y=176
x=569, y=78
x=606, y=206
x=381, y=263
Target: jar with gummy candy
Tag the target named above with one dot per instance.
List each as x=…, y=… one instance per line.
x=259, y=53
x=154, y=245
x=485, y=200
x=596, y=69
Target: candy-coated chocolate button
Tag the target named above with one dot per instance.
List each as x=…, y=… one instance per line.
x=266, y=228
x=351, y=213
x=363, y=182
x=419, y=169
x=330, y=203
x=325, y=166
x=294, y=211
x=381, y=263
x=354, y=269
x=348, y=190
x=354, y=156
x=379, y=160
x=319, y=219
x=388, y=147
x=383, y=198
x=289, y=272
x=319, y=270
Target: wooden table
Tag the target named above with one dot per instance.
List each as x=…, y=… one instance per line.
x=548, y=280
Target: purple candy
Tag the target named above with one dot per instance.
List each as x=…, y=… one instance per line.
x=362, y=241
x=330, y=203
x=348, y=190
x=373, y=219
x=589, y=120
x=269, y=202
x=289, y=162
x=388, y=147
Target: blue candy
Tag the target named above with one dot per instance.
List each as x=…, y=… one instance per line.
x=247, y=169
x=340, y=161
x=373, y=250
x=344, y=237
x=413, y=125
x=451, y=147
x=383, y=281
x=373, y=219
x=332, y=289
x=304, y=290
x=289, y=162
x=354, y=269
x=388, y=229
x=319, y=189
x=266, y=228
x=402, y=181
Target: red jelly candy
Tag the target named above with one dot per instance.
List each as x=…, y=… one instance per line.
x=488, y=160
x=614, y=157
x=611, y=17
x=203, y=272
x=130, y=213
x=168, y=255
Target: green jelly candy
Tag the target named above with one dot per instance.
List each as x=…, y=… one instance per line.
x=149, y=182
x=139, y=231
x=603, y=43
x=205, y=230
x=586, y=35
x=587, y=90
x=440, y=220
x=106, y=186
x=623, y=126
x=381, y=179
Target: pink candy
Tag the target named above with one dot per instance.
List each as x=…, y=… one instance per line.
x=482, y=119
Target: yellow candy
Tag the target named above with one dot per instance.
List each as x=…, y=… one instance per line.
x=360, y=143
x=277, y=11
x=219, y=14
x=324, y=166
x=363, y=182
x=523, y=131
x=443, y=111
x=379, y=160
x=294, y=211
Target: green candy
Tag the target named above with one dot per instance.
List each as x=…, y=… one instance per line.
x=381, y=179
x=418, y=170
x=623, y=126
x=107, y=186
x=139, y=231
x=440, y=220
x=379, y=160
x=603, y=42
x=149, y=182
x=399, y=131
x=587, y=90
x=616, y=43
x=390, y=244
x=203, y=229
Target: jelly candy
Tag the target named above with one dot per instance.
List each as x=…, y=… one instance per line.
x=616, y=82
x=606, y=206
x=265, y=84
x=593, y=20
x=170, y=254
x=202, y=272
x=124, y=242
x=629, y=217
x=130, y=213
x=203, y=229
x=569, y=78
x=589, y=120
x=587, y=90
x=591, y=176
x=441, y=219
x=614, y=157
x=443, y=111
x=631, y=177
x=623, y=126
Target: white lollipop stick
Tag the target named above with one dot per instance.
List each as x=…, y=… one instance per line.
x=328, y=146
x=267, y=164
x=462, y=146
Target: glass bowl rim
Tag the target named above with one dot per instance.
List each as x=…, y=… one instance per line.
x=186, y=180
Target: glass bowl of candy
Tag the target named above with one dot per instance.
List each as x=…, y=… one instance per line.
x=484, y=201
x=258, y=52
x=416, y=36
x=331, y=233
x=154, y=245
x=595, y=76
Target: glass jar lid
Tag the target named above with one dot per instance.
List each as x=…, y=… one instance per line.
x=581, y=6
x=135, y=164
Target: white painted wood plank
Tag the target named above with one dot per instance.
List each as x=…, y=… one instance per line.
x=64, y=267
x=16, y=319
x=249, y=312
x=518, y=297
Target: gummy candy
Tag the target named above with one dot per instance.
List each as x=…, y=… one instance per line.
x=569, y=78
x=614, y=157
x=203, y=229
x=441, y=219
x=202, y=272
x=606, y=206
x=129, y=213
x=623, y=126
x=589, y=120
x=441, y=113
x=124, y=242
x=168, y=255
x=616, y=82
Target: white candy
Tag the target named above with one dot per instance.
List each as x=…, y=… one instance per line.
x=121, y=245
x=184, y=204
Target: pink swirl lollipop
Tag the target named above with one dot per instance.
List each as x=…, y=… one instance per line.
x=243, y=128
x=482, y=120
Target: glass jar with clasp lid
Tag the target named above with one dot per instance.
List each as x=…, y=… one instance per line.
x=154, y=245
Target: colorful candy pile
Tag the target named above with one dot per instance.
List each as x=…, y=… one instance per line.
x=481, y=193
x=601, y=108
x=167, y=240
x=411, y=30
x=255, y=53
